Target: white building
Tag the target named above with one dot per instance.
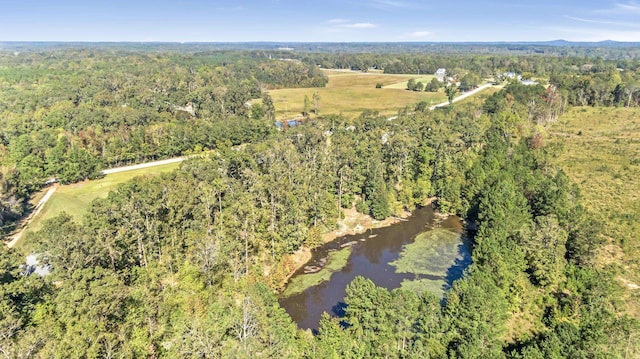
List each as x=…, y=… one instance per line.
x=441, y=74
x=512, y=75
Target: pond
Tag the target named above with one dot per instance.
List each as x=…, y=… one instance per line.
x=417, y=254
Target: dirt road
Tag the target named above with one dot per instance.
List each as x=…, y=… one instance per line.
x=16, y=237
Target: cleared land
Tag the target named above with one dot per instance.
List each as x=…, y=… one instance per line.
x=351, y=93
x=74, y=199
x=600, y=151
x=418, y=78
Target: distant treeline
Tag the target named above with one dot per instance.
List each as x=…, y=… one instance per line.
x=611, y=50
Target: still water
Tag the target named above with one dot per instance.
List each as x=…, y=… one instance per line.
x=370, y=257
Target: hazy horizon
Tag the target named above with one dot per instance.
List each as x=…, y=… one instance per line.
x=330, y=21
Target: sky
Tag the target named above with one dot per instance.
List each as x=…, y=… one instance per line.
x=319, y=21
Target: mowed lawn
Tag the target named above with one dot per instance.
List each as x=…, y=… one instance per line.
x=600, y=151
x=418, y=78
x=352, y=92
x=74, y=199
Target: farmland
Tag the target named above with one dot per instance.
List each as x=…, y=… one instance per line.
x=350, y=93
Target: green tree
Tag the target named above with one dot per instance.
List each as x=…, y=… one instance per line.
x=450, y=91
x=375, y=190
x=269, y=108
x=307, y=106
x=469, y=81
x=545, y=250
x=316, y=102
x=411, y=84
x=433, y=85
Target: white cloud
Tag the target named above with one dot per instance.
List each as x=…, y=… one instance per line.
x=337, y=21
x=631, y=6
x=359, y=25
x=420, y=34
x=604, y=22
x=626, y=8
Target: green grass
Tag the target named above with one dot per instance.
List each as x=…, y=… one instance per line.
x=351, y=93
x=418, y=78
x=336, y=261
x=74, y=199
x=599, y=149
x=341, y=79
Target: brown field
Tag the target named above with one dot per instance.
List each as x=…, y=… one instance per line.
x=600, y=152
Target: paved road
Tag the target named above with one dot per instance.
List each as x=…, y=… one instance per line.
x=144, y=165
x=462, y=97
x=459, y=98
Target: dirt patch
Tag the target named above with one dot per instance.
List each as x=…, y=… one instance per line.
x=356, y=223
x=299, y=258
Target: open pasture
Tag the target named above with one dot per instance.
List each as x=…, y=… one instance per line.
x=599, y=149
x=350, y=93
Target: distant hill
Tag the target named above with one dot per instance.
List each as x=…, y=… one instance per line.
x=604, y=49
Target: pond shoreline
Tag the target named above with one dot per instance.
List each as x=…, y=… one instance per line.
x=354, y=223
x=425, y=252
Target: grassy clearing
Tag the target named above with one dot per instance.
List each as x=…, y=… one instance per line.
x=74, y=199
x=336, y=261
x=364, y=79
x=599, y=149
x=351, y=94
x=403, y=85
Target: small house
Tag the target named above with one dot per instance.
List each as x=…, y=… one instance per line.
x=441, y=74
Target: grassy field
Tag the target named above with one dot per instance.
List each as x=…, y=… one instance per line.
x=351, y=93
x=74, y=199
x=403, y=85
x=600, y=151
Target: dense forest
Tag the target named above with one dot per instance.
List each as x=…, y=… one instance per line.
x=186, y=264
x=67, y=115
